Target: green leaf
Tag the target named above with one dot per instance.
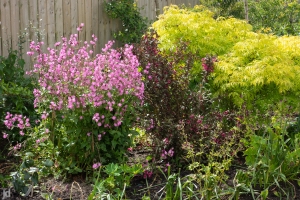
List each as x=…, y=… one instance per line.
x=29, y=154
x=21, y=63
x=114, y=143
x=35, y=178
x=26, y=175
x=48, y=163
x=103, y=147
x=264, y=193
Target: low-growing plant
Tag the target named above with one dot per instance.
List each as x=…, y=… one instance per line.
x=28, y=175
x=273, y=158
x=176, y=187
x=113, y=179
x=4, y=180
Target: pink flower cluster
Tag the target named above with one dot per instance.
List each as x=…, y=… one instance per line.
x=16, y=120
x=147, y=174
x=70, y=78
x=166, y=154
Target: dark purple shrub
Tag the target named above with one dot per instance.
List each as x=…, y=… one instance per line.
x=173, y=110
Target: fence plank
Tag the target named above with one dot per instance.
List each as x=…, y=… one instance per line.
x=15, y=23
x=67, y=18
x=74, y=16
x=50, y=23
x=34, y=18
x=59, y=24
x=88, y=19
x=24, y=25
x=42, y=8
x=104, y=27
x=95, y=22
x=81, y=18
x=6, y=28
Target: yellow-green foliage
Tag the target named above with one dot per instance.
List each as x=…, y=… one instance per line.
x=199, y=29
x=252, y=66
x=264, y=66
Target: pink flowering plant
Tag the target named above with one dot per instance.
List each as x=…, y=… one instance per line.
x=87, y=102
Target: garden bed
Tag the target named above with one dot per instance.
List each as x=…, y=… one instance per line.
x=77, y=187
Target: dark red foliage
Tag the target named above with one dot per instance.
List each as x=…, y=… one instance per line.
x=168, y=99
x=172, y=110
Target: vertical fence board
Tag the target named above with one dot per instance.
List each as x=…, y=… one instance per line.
x=42, y=8
x=59, y=24
x=24, y=25
x=34, y=19
x=50, y=23
x=81, y=18
x=6, y=29
x=15, y=23
x=74, y=16
x=88, y=19
x=105, y=26
x=95, y=22
x=67, y=18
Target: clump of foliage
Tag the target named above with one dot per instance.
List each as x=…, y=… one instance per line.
x=180, y=115
x=134, y=25
x=203, y=34
x=15, y=91
x=260, y=71
x=279, y=16
x=272, y=158
x=87, y=104
x=246, y=59
x=225, y=8
x=196, y=26
x=113, y=179
x=168, y=99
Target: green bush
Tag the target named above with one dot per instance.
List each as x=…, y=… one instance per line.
x=260, y=72
x=134, y=25
x=16, y=91
x=203, y=34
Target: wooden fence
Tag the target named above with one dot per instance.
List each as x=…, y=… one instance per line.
x=56, y=18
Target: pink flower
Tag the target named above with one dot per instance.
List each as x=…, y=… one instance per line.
x=130, y=149
x=5, y=135
x=96, y=165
